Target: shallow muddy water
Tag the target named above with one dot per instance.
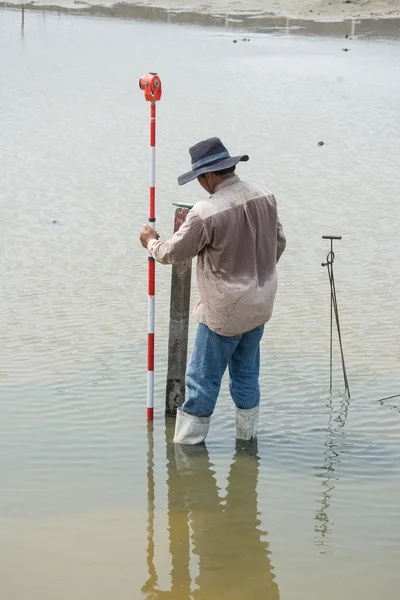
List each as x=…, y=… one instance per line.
x=92, y=505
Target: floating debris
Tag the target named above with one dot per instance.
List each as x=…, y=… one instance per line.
x=321, y=143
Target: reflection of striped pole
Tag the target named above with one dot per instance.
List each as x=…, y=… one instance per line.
x=152, y=265
x=152, y=581
x=151, y=85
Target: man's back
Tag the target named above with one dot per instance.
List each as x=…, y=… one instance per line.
x=236, y=269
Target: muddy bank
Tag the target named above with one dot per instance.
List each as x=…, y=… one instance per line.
x=312, y=23
x=232, y=11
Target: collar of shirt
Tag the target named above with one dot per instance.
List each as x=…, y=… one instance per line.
x=226, y=182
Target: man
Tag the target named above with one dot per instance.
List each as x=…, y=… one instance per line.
x=238, y=240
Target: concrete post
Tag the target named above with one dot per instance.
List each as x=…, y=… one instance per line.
x=178, y=324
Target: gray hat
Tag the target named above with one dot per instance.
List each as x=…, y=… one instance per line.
x=209, y=155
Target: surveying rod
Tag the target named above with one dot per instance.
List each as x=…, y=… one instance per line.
x=151, y=86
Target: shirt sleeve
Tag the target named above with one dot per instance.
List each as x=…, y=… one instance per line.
x=281, y=241
x=184, y=245
x=280, y=236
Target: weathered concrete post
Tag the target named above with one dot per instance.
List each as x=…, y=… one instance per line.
x=178, y=324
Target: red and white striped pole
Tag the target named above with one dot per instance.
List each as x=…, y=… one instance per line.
x=151, y=85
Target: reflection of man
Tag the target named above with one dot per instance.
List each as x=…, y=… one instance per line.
x=238, y=239
x=233, y=560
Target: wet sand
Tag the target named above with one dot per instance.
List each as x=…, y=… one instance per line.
x=301, y=9
x=382, y=22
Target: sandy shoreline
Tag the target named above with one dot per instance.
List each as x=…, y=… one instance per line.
x=301, y=9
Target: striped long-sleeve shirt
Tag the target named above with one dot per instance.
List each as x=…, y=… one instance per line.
x=238, y=239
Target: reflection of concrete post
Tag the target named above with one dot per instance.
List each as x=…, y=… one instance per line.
x=178, y=522
x=178, y=325
x=353, y=28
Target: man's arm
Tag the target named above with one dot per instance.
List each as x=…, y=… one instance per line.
x=280, y=236
x=281, y=241
x=184, y=245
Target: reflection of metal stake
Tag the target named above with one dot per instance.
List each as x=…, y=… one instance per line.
x=334, y=309
x=333, y=448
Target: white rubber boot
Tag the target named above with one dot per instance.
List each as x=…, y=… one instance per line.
x=189, y=429
x=246, y=423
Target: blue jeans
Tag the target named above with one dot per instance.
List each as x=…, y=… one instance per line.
x=212, y=353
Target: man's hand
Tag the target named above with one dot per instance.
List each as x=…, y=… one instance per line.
x=147, y=235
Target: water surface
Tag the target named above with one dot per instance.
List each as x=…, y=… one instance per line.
x=93, y=506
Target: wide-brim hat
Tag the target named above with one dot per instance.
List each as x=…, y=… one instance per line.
x=208, y=156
